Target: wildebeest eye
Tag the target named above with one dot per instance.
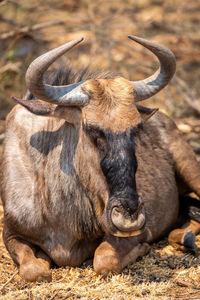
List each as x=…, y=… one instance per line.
x=101, y=144
x=97, y=136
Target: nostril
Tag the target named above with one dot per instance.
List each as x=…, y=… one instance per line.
x=123, y=222
x=130, y=205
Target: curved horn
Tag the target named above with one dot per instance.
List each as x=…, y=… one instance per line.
x=68, y=95
x=153, y=84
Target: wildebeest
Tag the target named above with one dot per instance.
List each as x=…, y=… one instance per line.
x=88, y=171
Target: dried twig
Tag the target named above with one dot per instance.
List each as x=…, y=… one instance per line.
x=8, y=21
x=3, y=2
x=184, y=85
x=14, y=67
x=9, y=280
x=185, y=284
x=28, y=29
x=183, y=89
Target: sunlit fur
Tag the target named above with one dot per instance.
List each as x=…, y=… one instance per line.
x=111, y=104
x=64, y=169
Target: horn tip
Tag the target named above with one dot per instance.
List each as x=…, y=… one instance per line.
x=134, y=37
x=80, y=39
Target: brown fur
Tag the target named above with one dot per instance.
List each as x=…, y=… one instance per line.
x=111, y=104
x=54, y=190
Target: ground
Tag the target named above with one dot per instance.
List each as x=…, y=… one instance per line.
x=161, y=274
x=28, y=28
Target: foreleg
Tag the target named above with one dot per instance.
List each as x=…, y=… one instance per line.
x=114, y=254
x=33, y=265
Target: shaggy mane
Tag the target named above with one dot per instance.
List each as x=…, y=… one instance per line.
x=69, y=75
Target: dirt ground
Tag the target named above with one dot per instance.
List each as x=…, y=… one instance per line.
x=28, y=28
x=162, y=274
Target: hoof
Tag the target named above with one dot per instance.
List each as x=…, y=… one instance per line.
x=36, y=270
x=106, y=265
x=106, y=260
x=189, y=242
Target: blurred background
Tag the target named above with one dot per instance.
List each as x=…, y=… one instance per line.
x=28, y=28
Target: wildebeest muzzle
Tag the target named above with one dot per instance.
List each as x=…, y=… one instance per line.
x=122, y=220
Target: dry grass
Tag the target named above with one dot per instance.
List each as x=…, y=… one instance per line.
x=162, y=274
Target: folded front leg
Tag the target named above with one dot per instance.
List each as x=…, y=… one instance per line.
x=114, y=254
x=33, y=265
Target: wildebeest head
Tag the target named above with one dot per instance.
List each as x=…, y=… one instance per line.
x=105, y=112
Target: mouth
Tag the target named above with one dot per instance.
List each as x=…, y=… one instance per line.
x=123, y=224
x=127, y=225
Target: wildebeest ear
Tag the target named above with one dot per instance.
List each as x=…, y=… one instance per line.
x=145, y=112
x=37, y=107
